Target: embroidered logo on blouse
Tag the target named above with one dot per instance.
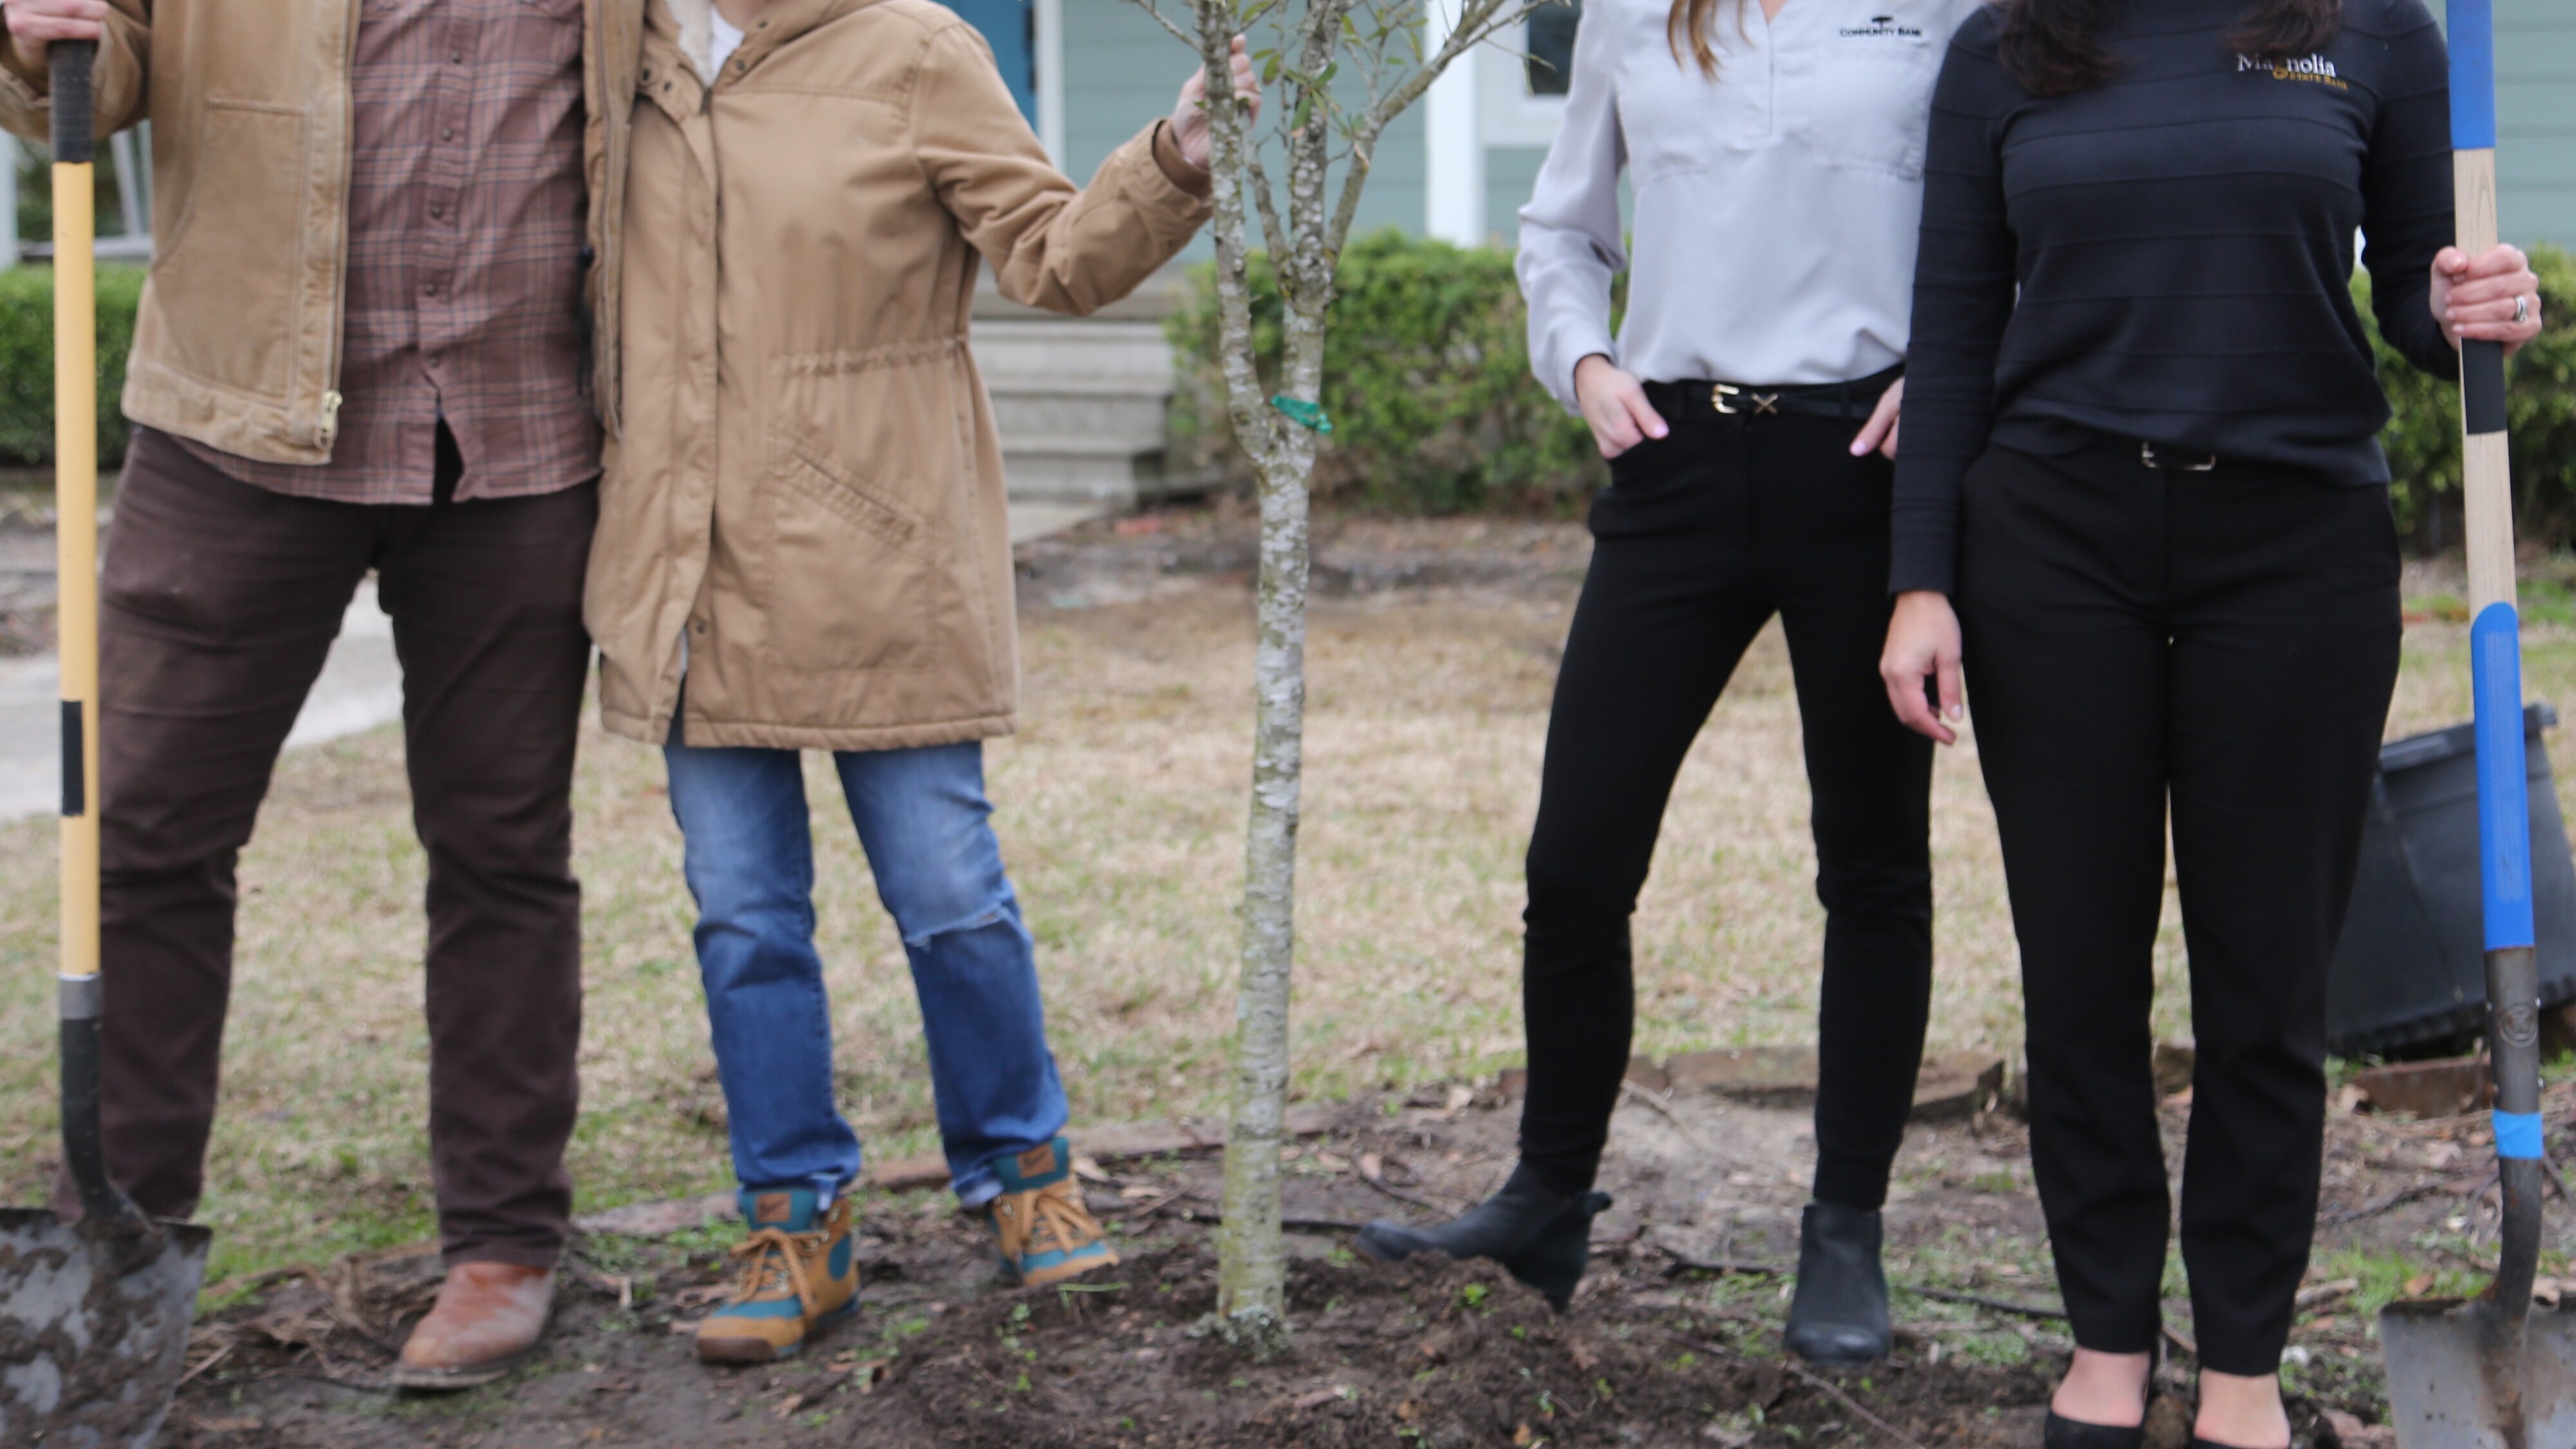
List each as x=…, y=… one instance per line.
x=1883, y=25
x=2314, y=69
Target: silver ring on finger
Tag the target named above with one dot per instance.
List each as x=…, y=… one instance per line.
x=2521, y=308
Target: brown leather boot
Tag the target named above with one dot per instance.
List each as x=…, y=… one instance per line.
x=486, y=1321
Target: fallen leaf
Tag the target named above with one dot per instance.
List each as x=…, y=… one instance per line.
x=2419, y=1285
x=1585, y=1360
x=787, y=1406
x=1372, y=1167
x=1459, y=1097
x=1523, y=1437
x=1331, y=1163
x=1088, y=1170
x=869, y=1374
x=1409, y=1410
x=1316, y=1400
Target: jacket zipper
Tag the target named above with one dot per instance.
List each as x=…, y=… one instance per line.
x=331, y=399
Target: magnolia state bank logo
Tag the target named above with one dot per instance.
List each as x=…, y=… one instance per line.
x=2314, y=69
x=1883, y=25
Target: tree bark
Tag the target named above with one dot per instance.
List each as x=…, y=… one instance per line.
x=1251, y=1250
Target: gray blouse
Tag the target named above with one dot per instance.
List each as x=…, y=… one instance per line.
x=1776, y=205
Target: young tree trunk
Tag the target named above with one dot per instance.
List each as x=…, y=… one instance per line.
x=1252, y=1256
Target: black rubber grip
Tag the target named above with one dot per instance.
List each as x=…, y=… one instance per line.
x=2482, y=386
x=75, y=111
x=84, y=1153
x=75, y=762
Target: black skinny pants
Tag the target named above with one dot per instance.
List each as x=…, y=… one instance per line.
x=1700, y=539
x=2226, y=641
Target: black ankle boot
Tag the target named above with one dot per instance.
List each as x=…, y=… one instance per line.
x=2059, y=1432
x=1554, y=1260
x=1502, y=1226
x=1840, y=1313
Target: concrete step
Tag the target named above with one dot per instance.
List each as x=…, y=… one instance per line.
x=1080, y=405
x=1134, y=420
x=1073, y=356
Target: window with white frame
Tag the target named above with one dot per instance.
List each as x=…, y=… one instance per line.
x=1521, y=100
x=1548, y=58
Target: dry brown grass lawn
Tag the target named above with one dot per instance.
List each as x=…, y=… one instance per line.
x=1121, y=813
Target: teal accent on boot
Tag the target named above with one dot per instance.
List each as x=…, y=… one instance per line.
x=1044, y=1230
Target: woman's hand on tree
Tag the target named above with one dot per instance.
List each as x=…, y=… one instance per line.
x=1614, y=406
x=34, y=25
x=1189, y=116
x=1879, y=432
x=2475, y=297
x=1923, y=644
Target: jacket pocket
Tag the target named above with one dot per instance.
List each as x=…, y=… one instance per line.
x=848, y=575
x=246, y=196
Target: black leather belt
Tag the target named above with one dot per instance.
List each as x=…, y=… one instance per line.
x=1849, y=401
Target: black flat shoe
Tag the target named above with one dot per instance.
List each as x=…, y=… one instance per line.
x=1554, y=1260
x=2063, y=1433
x=1840, y=1313
x=1501, y=1227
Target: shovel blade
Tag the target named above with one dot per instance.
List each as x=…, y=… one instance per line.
x=2460, y=1377
x=93, y=1328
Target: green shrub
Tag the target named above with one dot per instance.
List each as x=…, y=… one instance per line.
x=1426, y=379
x=2423, y=439
x=27, y=360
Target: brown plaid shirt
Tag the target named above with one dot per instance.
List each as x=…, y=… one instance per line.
x=463, y=290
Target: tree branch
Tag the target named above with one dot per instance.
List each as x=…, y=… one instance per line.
x=1169, y=25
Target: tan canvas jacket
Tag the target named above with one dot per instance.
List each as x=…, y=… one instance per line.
x=809, y=485
x=237, y=344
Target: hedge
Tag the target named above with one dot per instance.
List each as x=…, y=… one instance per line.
x=1427, y=382
x=27, y=360
x=1426, y=379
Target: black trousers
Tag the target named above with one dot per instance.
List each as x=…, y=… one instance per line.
x=2227, y=642
x=1701, y=538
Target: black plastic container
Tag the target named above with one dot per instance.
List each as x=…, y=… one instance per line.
x=2412, y=963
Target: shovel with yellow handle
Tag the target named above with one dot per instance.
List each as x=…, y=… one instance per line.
x=94, y=1313
x=2491, y=1372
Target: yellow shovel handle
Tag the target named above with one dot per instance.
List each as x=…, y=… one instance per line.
x=76, y=504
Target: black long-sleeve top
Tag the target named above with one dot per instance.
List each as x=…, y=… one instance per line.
x=2182, y=243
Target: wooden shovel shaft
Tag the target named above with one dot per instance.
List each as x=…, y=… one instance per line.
x=2504, y=816
x=76, y=547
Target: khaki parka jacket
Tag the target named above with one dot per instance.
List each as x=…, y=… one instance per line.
x=803, y=515
x=237, y=344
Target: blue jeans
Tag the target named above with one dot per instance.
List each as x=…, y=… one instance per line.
x=923, y=819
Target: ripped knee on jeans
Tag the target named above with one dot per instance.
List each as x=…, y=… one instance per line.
x=998, y=913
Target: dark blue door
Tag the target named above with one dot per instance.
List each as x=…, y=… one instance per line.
x=1009, y=27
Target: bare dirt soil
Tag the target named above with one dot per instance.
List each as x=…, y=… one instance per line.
x=1673, y=1340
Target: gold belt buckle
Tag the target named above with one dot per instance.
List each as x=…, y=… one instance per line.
x=1763, y=402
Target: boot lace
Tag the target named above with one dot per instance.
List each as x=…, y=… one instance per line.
x=776, y=1262
x=1058, y=1221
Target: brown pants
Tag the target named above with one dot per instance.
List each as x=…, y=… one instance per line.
x=220, y=603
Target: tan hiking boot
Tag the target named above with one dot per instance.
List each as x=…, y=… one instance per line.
x=1045, y=1231
x=799, y=1272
